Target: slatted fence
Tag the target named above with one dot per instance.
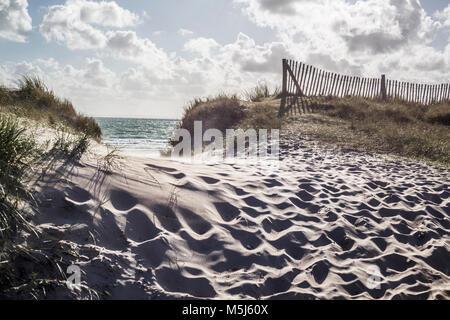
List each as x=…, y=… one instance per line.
x=302, y=81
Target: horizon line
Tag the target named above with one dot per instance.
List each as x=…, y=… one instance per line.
x=136, y=117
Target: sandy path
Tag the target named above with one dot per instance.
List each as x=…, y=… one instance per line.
x=312, y=229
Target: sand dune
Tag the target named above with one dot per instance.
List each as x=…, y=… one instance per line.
x=313, y=229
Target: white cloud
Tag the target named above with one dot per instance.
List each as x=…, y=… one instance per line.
x=97, y=74
x=357, y=37
x=279, y=6
x=107, y=14
x=93, y=88
x=244, y=53
x=393, y=25
x=233, y=67
x=203, y=46
x=444, y=16
x=26, y=68
x=360, y=37
x=161, y=86
x=15, y=22
x=127, y=45
x=376, y=26
x=75, y=23
x=50, y=63
x=185, y=32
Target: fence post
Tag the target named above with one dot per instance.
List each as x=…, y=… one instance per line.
x=383, y=87
x=283, y=90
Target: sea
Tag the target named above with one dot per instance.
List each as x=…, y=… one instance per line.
x=140, y=137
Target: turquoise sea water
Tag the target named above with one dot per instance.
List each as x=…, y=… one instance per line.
x=137, y=136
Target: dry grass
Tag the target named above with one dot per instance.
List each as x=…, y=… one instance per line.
x=397, y=127
x=30, y=264
x=438, y=114
x=260, y=92
x=32, y=99
x=222, y=112
x=262, y=115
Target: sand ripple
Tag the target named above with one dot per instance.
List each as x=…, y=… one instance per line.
x=313, y=229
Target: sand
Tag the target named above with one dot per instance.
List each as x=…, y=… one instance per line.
x=313, y=229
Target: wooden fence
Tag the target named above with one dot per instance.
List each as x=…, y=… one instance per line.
x=301, y=81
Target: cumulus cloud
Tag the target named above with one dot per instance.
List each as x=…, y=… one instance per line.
x=279, y=6
x=76, y=23
x=126, y=45
x=107, y=14
x=83, y=85
x=26, y=68
x=356, y=36
x=397, y=24
x=166, y=83
x=15, y=22
x=97, y=74
x=365, y=38
x=231, y=67
x=244, y=53
x=374, y=25
x=444, y=16
x=50, y=63
x=202, y=46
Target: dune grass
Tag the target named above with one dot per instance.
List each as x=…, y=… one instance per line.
x=262, y=115
x=220, y=112
x=260, y=92
x=394, y=127
x=32, y=99
x=69, y=145
x=110, y=162
x=259, y=110
x=372, y=125
x=30, y=263
x=17, y=154
x=17, y=151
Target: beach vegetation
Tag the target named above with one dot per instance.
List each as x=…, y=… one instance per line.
x=258, y=111
x=32, y=99
x=219, y=112
x=32, y=263
x=260, y=92
x=394, y=127
x=69, y=144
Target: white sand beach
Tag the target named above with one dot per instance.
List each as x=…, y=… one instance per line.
x=315, y=228
x=313, y=144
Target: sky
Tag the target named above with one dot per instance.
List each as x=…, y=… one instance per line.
x=136, y=58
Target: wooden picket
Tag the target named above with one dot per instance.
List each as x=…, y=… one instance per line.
x=302, y=81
